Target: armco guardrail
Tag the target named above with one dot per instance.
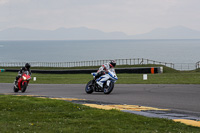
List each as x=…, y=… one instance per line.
x=2, y=70
x=140, y=70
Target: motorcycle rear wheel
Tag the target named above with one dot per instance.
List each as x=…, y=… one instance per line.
x=89, y=87
x=15, y=89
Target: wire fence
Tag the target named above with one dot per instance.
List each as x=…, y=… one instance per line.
x=185, y=66
x=134, y=61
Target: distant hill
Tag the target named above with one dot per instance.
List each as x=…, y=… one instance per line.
x=80, y=33
x=178, y=32
x=83, y=33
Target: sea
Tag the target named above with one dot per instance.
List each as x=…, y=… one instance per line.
x=171, y=51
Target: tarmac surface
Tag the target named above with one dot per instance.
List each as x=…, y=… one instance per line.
x=171, y=101
x=179, y=97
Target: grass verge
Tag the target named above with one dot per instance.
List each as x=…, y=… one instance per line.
x=29, y=114
x=165, y=78
x=170, y=76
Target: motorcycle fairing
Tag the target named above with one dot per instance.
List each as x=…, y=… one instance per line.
x=19, y=83
x=113, y=77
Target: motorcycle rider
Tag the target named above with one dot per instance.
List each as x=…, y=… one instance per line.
x=102, y=71
x=23, y=69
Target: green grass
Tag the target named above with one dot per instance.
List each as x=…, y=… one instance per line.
x=197, y=70
x=170, y=76
x=29, y=114
x=165, y=78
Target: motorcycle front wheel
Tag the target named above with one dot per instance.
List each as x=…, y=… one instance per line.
x=89, y=87
x=108, y=89
x=24, y=87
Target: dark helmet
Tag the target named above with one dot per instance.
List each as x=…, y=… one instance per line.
x=27, y=65
x=113, y=63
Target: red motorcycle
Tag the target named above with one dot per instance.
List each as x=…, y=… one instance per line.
x=23, y=82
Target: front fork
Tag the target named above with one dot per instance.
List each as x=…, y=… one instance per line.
x=108, y=82
x=99, y=89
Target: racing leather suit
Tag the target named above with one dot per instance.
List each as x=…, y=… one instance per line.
x=20, y=73
x=102, y=71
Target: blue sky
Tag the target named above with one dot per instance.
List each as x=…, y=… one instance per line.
x=128, y=16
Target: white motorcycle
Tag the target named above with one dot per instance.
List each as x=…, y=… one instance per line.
x=107, y=86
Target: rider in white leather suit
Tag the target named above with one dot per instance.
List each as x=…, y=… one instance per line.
x=100, y=78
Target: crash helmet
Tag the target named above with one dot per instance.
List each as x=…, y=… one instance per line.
x=112, y=63
x=27, y=65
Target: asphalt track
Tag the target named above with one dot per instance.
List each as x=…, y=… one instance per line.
x=176, y=97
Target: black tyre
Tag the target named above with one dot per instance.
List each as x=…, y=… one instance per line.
x=24, y=87
x=15, y=89
x=89, y=87
x=108, y=89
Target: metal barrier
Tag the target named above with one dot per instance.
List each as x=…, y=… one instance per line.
x=2, y=70
x=144, y=70
x=133, y=61
x=184, y=66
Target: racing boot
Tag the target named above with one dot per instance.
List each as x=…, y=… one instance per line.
x=15, y=84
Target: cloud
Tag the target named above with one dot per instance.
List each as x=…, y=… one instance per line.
x=129, y=16
x=2, y=2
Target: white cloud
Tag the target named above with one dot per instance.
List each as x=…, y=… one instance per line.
x=3, y=2
x=129, y=16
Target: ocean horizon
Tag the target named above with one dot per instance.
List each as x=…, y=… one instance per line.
x=167, y=50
